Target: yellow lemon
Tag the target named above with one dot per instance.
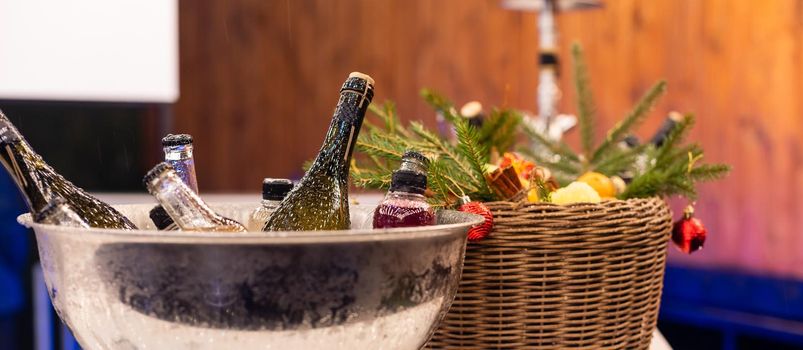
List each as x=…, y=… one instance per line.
x=576, y=192
x=532, y=195
x=600, y=183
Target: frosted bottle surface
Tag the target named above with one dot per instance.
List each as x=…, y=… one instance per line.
x=273, y=191
x=40, y=184
x=400, y=209
x=320, y=200
x=183, y=205
x=405, y=204
x=178, y=150
x=59, y=213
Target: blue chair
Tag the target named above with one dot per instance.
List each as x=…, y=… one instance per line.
x=17, y=278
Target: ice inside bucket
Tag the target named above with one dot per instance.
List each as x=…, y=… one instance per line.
x=355, y=289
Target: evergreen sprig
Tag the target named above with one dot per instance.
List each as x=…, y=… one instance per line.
x=632, y=120
x=499, y=130
x=585, y=100
x=456, y=168
x=474, y=152
x=670, y=169
x=674, y=170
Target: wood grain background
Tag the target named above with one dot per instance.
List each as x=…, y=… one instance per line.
x=259, y=80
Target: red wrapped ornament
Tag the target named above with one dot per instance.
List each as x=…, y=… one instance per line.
x=688, y=233
x=482, y=230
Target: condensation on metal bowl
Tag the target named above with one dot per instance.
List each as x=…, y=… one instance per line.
x=355, y=289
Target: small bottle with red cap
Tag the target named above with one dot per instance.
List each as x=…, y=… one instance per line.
x=405, y=204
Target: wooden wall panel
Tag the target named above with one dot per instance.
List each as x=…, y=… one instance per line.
x=259, y=79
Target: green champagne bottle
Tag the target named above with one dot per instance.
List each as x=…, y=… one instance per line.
x=40, y=184
x=320, y=200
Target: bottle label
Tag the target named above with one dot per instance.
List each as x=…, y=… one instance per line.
x=348, y=145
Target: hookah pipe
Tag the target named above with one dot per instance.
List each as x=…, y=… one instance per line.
x=548, y=121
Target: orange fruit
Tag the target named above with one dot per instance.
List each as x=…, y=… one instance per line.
x=600, y=183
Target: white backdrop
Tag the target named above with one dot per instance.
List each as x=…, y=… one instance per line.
x=89, y=50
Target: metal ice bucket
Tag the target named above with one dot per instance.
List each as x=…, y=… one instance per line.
x=356, y=289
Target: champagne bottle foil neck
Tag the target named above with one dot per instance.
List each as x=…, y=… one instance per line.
x=363, y=76
x=364, y=87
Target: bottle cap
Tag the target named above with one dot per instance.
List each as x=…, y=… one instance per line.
x=359, y=83
x=157, y=171
x=472, y=109
x=408, y=181
x=631, y=141
x=676, y=116
x=413, y=154
x=363, y=76
x=49, y=209
x=275, y=189
x=176, y=140
x=160, y=218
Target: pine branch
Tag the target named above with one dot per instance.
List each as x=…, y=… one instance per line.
x=439, y=144
x=557, y=148
x=500, y=129
x=675, y=137
x=709, y=172
x=440, y=104
x=382, y=145
x=633, y=119
x=585, y=100
x=539, y=159
x=377, y=179
x=438, y=184
x=475, y=153
x=380, y=113
x=619, y=161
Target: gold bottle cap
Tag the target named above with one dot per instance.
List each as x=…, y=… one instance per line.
x=471, y=109
x=676, y=116
x=364, y=76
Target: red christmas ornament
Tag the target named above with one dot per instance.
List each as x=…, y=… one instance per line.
x=689, y=233
x=482, y=230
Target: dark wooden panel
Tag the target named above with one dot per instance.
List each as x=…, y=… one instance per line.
x=259, y=79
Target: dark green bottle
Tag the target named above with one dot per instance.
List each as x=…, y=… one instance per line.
x=320, y=201
x=40, y=184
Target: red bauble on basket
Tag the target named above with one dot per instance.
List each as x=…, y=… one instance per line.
x=688, y=233
x=482, y=230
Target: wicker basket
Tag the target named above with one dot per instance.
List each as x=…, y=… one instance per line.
x=585, y=276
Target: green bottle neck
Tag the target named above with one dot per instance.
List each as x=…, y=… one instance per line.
x=338, y=146
x=23, y=164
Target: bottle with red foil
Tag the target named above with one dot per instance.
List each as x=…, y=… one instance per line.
x=405, y=204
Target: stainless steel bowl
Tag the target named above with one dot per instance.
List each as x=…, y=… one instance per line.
x=355, y=289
